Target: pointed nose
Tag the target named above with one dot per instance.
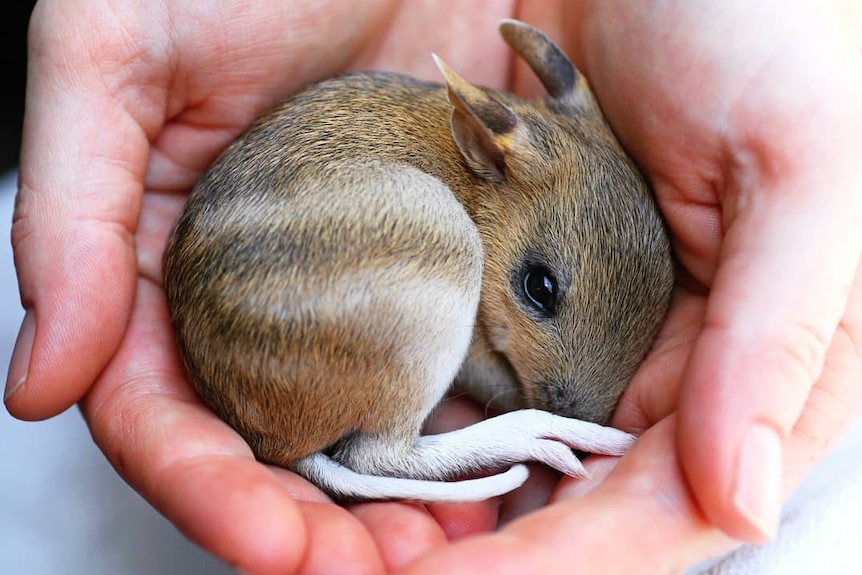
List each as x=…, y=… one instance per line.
x=582, y=402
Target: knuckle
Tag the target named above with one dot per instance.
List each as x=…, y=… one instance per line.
x=23, y=225
x=799, y=351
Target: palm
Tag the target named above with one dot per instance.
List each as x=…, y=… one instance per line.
x=143, y=411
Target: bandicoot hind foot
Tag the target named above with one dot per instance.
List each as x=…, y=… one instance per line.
x=373, y=469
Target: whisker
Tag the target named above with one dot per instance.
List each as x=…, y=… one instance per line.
x=495, y=397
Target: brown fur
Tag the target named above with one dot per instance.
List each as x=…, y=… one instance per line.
x=327, y=266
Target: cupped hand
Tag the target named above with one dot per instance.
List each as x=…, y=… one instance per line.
x=127, y=105
x=748, y=121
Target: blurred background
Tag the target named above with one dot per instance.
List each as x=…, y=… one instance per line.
x=63, y=510
x=13, y=72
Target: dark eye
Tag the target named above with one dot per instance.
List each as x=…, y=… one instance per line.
x=541, y=290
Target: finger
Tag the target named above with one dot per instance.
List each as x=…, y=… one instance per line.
x=337, y=543
x=83, y=161
x=459, y=520
x=646, y=506
x=530, y=496
x=653, y=393
x=402, y=531
x=599, y=468
x=835, y=402
x=642, y=519
x=409, y=42
x=158, y=215
x=233, y=507
x=193, y=468
x=779, y=297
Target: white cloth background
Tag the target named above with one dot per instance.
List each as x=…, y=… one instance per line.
x=63, y=510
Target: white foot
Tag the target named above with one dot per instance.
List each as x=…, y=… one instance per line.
x=519, y=436
x=421, y=470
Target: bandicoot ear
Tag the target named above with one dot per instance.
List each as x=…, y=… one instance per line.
x=482, y=126
x=550, y=64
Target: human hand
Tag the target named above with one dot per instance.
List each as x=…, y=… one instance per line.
x=748, y=121
x=127, y=104
x=749, y=125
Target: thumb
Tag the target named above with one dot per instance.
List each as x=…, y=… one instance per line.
x=81, y=180
x=778, y=306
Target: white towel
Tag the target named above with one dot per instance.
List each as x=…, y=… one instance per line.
x=821, y=525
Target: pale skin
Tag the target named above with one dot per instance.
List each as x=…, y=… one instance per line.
x=747, y=121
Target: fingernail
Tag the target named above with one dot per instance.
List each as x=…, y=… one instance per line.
x=20, y=363
x=757, y=494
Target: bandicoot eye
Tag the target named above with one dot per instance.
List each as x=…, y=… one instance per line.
x=540, y=287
